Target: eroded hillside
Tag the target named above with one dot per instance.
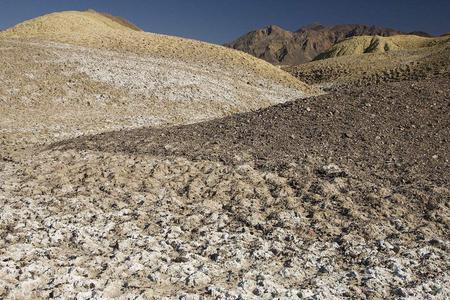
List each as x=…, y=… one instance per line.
x=371, y=60
x=69, y=73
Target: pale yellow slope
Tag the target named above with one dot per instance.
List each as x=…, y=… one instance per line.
x=94, y=30
x=63, y=23
x=378, y=44
x=412, y=59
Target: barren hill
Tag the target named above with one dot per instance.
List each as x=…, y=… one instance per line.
x=378, y=44
x=95, y=30
x=279, y=46
x=371, y=60
x=79, y=71
x=420, y=33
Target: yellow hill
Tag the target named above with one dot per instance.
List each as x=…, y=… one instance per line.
x=95, y=30
x=69, y=73
x=378, y=44
x=367, y=60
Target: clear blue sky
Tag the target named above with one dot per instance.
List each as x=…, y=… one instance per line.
x=223, y=21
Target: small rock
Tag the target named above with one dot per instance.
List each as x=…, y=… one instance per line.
x=198, y=279
x=257, y=292
x=332, y=171
x=348, y=135
x=214, y=256
x=323, y=269
x=382, y=244
x=288, y=263
x=400, y=292
x=352, y=274
x=113, y=290
x=181, y=259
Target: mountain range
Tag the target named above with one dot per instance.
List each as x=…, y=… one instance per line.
x=283, y=47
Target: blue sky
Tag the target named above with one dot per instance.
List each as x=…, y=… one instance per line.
x=223, y=21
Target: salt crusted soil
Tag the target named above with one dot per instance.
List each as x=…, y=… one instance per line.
x=204, y=211
x=92, y=225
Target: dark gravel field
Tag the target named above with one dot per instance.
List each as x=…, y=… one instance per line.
x=395, y=131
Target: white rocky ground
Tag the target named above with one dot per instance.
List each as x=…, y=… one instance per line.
x=88, y=225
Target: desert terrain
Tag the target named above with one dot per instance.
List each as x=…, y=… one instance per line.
x=111, y=76
x=142, y=166
x=366, y=60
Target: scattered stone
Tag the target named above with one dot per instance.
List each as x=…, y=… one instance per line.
x=400, y=292
x=332, y=171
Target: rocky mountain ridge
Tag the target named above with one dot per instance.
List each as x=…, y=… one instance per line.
x=282, y=47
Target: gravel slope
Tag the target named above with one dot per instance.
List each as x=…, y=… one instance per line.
x=393, y=131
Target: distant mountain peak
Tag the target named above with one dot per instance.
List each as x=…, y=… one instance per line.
x=274, y=29
x=313, y=26
x=279, y=46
